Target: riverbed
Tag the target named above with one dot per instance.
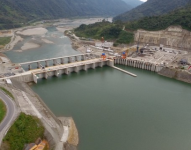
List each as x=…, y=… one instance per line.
x=60, y=46
x=111, y=109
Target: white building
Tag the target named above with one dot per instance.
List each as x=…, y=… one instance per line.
x=106, y=44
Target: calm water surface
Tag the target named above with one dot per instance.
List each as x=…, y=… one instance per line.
x=114, y=111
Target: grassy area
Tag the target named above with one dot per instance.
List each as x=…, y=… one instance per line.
x=4, y=40
x=26, y=129
x=125, y=37
x=2, y=110
x=7, y=92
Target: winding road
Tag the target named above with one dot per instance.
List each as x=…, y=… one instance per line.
x=10, y=115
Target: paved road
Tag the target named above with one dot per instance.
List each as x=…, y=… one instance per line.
x=10, y=115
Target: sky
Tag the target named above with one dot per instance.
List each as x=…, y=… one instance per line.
x=143, y=0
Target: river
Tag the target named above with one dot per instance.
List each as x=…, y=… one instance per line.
x=114, y=111
x=60, y=47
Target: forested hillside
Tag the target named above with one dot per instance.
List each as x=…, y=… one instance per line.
x=152, y=8
x=114, y=31
x=14, y=13
x=181, y=17
x=110, y=31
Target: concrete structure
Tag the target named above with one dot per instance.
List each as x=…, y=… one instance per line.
x=134, y=75
x=68, y=68
x=82, y=62
x=58, y=60
x=137, y=63
x=154, y=59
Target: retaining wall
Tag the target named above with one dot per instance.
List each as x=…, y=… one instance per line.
x=139, y=64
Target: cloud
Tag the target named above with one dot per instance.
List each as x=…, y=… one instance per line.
x=143, y=0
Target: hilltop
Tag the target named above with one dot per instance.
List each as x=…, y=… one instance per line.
x=152, y=8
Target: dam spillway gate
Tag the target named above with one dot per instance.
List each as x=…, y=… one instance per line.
x=62, y=65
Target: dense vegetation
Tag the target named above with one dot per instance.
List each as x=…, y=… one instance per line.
x=15, y=13
x=4, y=40
x=180, y=17
x=110, y=32
x=7, y=92
x=152, y=8
x=26, y=129
x=2, y=110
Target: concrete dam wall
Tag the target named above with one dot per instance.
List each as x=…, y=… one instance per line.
x=139, y=64
x=160, y=69
x=38, y=73
x=173, y=36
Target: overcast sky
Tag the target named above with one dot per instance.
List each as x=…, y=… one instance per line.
x=143, y=0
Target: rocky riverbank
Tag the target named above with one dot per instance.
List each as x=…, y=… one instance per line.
x=176, y=74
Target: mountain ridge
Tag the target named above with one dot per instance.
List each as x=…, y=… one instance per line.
x=152, y=8
x=14, y=13
x=179, y=17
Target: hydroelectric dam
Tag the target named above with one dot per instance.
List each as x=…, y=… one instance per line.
x=61, y=65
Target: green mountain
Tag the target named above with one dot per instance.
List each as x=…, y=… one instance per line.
x=14, y=13
x=152, y=8
x=116, y=32
x=133, y=3
x=180, y=17
x=110, y=32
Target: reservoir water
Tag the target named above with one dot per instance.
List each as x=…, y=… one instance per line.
x=114, y=111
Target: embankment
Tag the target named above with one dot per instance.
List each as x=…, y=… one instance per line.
x=176, y=74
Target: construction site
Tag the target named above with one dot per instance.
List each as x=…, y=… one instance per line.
x=158, y=55
x=147, y=52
